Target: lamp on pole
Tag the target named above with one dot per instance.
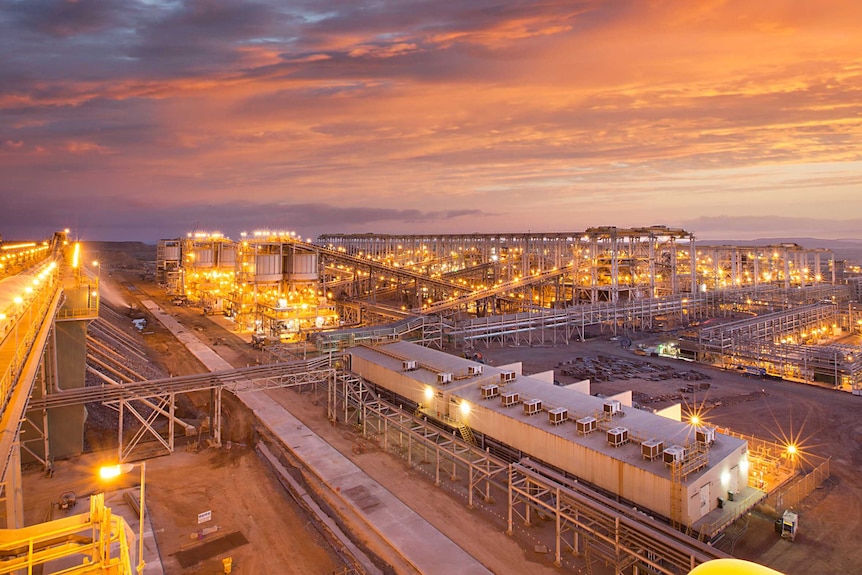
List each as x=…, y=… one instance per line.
x=112, y=471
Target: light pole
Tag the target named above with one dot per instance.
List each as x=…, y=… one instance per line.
x=113, y=471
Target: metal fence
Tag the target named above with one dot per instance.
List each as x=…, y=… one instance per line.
x=790, y=495
x=809, y=472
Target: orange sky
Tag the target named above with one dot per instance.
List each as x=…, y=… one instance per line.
x=141, y=120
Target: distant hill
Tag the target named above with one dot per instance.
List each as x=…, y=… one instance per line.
x=120, y=255
x=844, y=249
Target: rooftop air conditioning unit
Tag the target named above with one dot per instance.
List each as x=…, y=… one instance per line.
x=409, y=365
x=652, y=449
x=558, y=415
x=474, y=370
x=444, y=378
x=510, y=398
x=490, y=390
x=508, y=376
x=618, y=436
x=675, y=454
x=586, y=425
x=705, y=435
x=613, y=407
x=532, y=406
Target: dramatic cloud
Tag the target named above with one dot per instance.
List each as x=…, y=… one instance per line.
x=144, y=119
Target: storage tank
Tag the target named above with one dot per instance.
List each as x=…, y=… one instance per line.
x=301, y=267
x=172, y=252
x=204, y=256
x=267, y=268
x=227, y=256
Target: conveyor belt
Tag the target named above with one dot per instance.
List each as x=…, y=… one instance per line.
x=241, y=379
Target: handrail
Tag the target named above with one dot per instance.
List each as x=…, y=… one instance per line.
x=91, y=537
x=32, y=313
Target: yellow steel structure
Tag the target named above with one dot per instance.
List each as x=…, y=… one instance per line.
x=263, y=282
x=51, y=289
x=87, y=543
x=19, y=256
x=277, y=291
x=732, y=567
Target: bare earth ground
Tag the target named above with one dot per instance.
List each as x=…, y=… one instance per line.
x=244, y=496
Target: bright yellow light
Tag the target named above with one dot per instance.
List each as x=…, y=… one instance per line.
x=791, y=449
x=110, y=472
x=76, y=255
x=695, y=419
x=465, y=409
x=429, y=393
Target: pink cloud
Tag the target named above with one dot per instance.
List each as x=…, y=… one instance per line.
x=80, y=147
x=554, y=113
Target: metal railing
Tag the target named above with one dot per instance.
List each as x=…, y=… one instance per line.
x=791, y=494
x=20, y=334
x=91, y=538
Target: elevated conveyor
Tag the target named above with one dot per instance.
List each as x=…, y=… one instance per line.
x=501, y=288
x=20, y=360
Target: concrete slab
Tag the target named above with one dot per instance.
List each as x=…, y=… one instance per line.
x=419, y=542
x=199, y=349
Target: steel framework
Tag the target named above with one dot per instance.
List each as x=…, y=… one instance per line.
x=615, y=533
x=789, y=344
x=786, y=265
x=599, y=264
x=567, y=324
x=153, y=402
x=598, y=525
x=384, y=277
x=95, y=540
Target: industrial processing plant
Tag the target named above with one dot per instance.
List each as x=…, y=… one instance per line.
x=536, y=288
x=387, y=334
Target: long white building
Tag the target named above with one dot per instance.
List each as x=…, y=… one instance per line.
x=662, y=466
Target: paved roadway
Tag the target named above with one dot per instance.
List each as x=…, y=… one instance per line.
x=416, y=540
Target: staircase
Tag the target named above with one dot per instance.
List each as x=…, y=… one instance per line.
x=466, y=434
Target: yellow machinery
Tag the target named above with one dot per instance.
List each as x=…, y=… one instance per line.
x=77, y=544
x=732, y=567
